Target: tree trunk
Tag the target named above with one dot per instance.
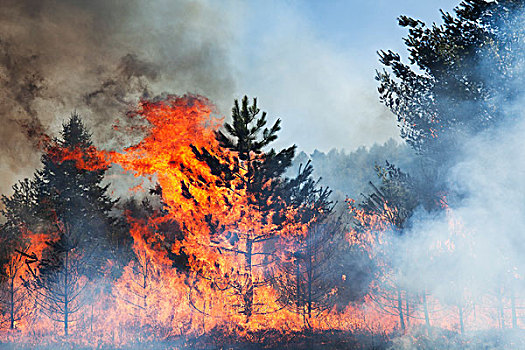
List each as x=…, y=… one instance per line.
x=407, y=310
x=66, y=296
x=145, y=284
x=461, y=324
x=400, y=311
x=204, y=318
x=12, y=303
x=299, y=295
x=501, y=310
x=427, y=316
x=514, y=315
x=248, y=295
x=310, y=280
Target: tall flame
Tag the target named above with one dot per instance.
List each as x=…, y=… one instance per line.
x=228, y=243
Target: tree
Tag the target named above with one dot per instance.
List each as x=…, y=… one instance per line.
x=299, y=280
x=313, y=265
x=15, y=241
x=13, y=293
x=59, y=280
x=396, y=198
x=266, y=197
x=459, y=75
x=71, y=195
x=72, y=208
x=387, y=209
x=320, y=271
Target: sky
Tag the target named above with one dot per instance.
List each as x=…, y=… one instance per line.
x=312, y=63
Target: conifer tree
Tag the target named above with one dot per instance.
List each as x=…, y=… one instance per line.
x=460, y=73
x=394, y=201
x=73, y=209
x=260, y=171
x=70, y=195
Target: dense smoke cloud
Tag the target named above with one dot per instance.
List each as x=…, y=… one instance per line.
x=472, y=252
x=99, y=57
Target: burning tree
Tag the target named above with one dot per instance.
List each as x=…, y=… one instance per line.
x=59, y=282
x=16, y=238
x=150, y=293
x=72, y=195
x=269, y=203
x=71, y=209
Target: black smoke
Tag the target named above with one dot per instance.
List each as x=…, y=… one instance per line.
x=99, y=57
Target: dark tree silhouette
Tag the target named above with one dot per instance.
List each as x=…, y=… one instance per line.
x=72, y=208
x=73, y=196
x=260, y=171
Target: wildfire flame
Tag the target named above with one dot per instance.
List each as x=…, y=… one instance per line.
x=151, y=299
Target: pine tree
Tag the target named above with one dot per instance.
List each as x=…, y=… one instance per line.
x=73, y=210
x=320, y=271
x=306, y=274
x=260, y=173
x=394, y=202
x=70, y=195
x=460, y=74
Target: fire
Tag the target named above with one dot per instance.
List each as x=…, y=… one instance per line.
x=233, y=250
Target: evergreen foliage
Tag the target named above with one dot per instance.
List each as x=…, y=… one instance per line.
x=459, y=75
x=73, y=196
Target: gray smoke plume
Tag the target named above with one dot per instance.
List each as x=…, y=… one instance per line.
x=99, y=57
x=469, y=259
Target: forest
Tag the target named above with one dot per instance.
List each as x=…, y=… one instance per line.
x=226, y=241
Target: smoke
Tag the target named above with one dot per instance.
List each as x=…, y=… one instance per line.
x=469, y=257
x=320, y=90
x=99, y=57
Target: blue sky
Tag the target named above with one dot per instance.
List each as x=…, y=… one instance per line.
x=367, y=24
x=312, y=63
